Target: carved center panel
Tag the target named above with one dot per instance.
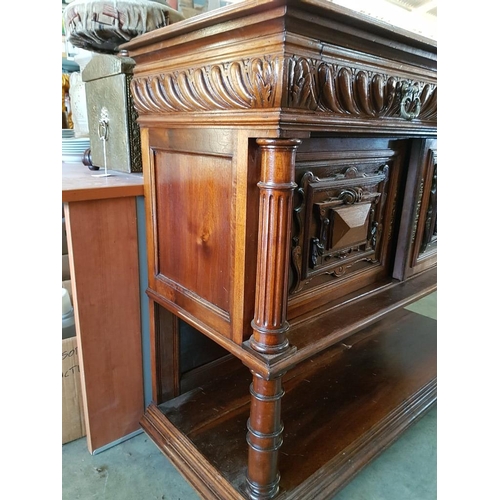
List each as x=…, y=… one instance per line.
x=344, y=211
x=342, y=219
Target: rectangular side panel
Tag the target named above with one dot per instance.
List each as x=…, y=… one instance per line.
x=191, y=225
x=202, y=196
x=194, y=207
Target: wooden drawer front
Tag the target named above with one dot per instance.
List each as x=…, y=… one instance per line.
x=344, y=214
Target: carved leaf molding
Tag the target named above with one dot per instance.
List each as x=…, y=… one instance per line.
x=269, y=82
x=246, y=84
x=320, y=86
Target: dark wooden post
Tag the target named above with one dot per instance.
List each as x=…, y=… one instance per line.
x=269, y=324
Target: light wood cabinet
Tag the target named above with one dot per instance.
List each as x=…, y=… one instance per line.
x=103, y=230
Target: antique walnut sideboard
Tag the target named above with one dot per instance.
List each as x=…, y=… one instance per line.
x=290, y=164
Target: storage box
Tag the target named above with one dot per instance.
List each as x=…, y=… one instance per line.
x=73, y=420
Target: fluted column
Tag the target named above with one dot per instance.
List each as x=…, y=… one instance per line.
x=273, y=253
x=269, y=325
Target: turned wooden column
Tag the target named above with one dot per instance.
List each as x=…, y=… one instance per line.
x=269, y=324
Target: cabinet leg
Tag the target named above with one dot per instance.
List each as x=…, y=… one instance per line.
x=165, y=369
x=264, y=437
x=269, y=325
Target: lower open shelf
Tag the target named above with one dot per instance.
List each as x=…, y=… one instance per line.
x=341, y=408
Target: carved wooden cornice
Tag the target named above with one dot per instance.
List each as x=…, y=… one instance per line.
x=245, y=84
x=291, y=82
x=349, y=91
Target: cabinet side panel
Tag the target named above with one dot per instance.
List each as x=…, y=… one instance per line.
x=193, y=210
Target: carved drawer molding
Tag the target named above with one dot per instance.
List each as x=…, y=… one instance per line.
x=290, y=82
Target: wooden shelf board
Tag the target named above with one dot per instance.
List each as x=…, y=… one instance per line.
x=341, y=408
x=335, y=322
x=332, y=322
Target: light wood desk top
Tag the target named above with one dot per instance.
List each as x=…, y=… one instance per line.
x=81, y=184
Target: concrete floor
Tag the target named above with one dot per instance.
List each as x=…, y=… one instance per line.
x=137, y=470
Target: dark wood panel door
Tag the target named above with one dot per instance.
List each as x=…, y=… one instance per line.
x=417, y=243
x=346, y=210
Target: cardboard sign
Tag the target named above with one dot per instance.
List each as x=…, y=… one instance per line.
x=73, y=421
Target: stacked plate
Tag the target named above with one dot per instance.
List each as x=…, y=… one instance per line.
x=73, y=147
